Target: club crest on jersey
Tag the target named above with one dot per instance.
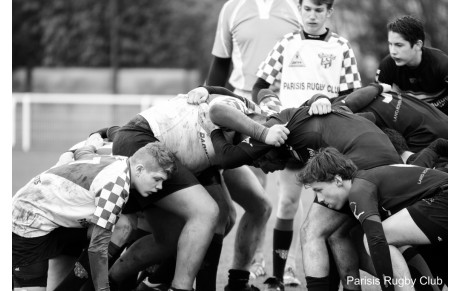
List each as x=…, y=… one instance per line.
x=297, y=61
x=326, y=59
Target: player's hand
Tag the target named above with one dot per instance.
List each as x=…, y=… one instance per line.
x=277, y=135
x=197, y=96
x=95, y=140
x=205, y=121
x=65, y=158
x=320, y=106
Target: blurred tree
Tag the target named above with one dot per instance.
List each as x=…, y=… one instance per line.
x=27, y=34
x=179, y=34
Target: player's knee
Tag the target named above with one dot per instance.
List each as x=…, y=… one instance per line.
x=288, y=205
x=312, y=230
x=265, y=209
x=123, y=230
x=210, y=213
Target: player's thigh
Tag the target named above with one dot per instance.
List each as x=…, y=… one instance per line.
x=190, y=202
x=124, y=229
x=400, y=229
x=245, y=189
x=321, y=221
x=165, y=226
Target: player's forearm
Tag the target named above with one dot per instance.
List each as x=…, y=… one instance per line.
x=84, y=152
x=230, y=117
x=362, y=97
x=218, y=74
x=98, y=258
x=228, y=155
x=258, y=85
x=379, y=252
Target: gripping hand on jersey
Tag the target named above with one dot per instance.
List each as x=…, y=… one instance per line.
x=320, y=107
x=205, y=121
x=95, y=140
x=277, y=135
x=197, y=96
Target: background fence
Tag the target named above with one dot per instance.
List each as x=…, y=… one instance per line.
x=54, y=122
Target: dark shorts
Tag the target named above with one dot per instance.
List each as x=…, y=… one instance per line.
x=430, y=215
x=31, y=255
x=210, y=176
x=127, y=141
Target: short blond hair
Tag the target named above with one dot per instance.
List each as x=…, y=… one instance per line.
x=156, y=152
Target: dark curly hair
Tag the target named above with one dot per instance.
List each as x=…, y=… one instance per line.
x=323, y=167
x=410, y=28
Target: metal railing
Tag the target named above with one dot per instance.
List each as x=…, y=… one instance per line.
x=26, y=100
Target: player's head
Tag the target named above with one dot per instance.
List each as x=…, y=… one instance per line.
x=329, y=3
x=409, y=28
x=406, y=37
x=396, y=138
x=150, y=166
x=272, y=161
x=314, y=15
x=329, y=174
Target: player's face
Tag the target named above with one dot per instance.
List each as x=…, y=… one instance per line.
x=149, y=182
x=401, y=51
x=314, y=17
x=332, y=194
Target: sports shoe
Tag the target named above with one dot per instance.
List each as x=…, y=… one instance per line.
x=274, y=284
x=257, y=269
x=290, y=278
x=147, y=286
x=247, y=287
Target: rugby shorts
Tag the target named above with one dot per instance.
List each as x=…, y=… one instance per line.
x=31, y=255
x=127, y=141
x=430, y=215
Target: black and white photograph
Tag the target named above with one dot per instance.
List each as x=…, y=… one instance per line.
x=229, y=145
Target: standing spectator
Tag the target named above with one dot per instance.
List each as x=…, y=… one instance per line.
x=246, y=32
x=412, y=67
x=307, y=62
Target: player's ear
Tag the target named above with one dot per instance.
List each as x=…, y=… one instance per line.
x=338, y=180
x=329, y=12
x=138, y=168
x=419, y=44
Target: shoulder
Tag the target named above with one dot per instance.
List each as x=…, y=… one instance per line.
x=292, y=35
x=334, y=37
x=435, y=56
x=230, y=7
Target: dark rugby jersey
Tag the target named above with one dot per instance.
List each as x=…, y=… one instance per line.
x=428, y=81
x=388, y=189
x=356, y=137
x=419, y=122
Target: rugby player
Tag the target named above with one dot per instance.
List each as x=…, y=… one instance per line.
x=59, y=209
x=178, y=126
x=392, y=211
x=418, y=121
x=246, y=32
x=355, y=136
x=309, y=61
x=413, y=68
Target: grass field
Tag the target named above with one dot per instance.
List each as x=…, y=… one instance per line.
x=27, y=165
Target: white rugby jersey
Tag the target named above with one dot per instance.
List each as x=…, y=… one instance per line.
x=306, y=67
x=93, y=189
x=247, y=30
x=177, y=124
